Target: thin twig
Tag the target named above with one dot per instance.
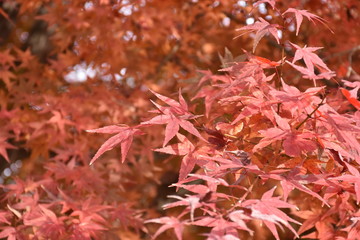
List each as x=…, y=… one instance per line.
x=249, y=190
x=310, y=115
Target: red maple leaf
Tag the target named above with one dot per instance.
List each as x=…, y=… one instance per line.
x=182, y=148
x=292, y=99
x=353, y=177
x=310, y=58
x=6, y=58
x=6, y=76
x=174, y=117
x=267, y=210
x=210, y=96
x=295, y=179
x=351, y=96
x=299, y=16
x=3, y=146
x=262, y=28
x=60, y=121
x=169, y=222
x=186, y=149
x=208, y=191
x=124, y=137
x=307, y=73
x=346, y=132
x=49, y=224
x=190, y=201
x=294, y=142
x=9, y=232
x=221, y=228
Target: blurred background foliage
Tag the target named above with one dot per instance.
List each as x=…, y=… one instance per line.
x=68, y=66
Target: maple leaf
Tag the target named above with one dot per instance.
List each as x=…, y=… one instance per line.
x=15, y=212
x=307, y=73
x=292, y=99
x=169, y=222
x=9, y=232
x=210, y=96
x=210, y=180
x=294, y=143
x=89, y=214
x=175, y=116
x=351, y=96
x=60, y=121
x=349, y=84
x=345, y=131
x=25, y=56
x=6, y=76
x=295, y=179
x=312, y=217
x=311, y=164
x=299, y=16
x=262, y=28
x=135, y=60
x=4, y=217
x=6, y=58
x=264, y=62
x=3, y=146
x=124, y=137
x=353, y=229
x=181, y=149
x=187, y=165
x=186, y=149
x=310, y=58
x=50, y=226
x=216, y=138
x=228, y=59
x=267, y=210
x=203, y=192
x=254, y=105
x=220, y=227
x=238, y=217
x=190, y=201
x=179, y=107
x=354, y=178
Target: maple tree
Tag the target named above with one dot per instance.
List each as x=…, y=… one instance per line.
x=139, y=119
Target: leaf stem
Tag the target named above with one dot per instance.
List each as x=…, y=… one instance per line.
x=249, y=190
x=310, y=115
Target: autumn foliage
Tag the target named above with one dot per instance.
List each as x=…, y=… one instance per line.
x=178, y=119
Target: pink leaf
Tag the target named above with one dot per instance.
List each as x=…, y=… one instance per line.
x=168, y=222
x=167, y=100
x=190, y=128
x=182, y=148
x=192, y=202
x=299, y=14
x=295, y=144
x=270, y=135
x=124, y=137
x=172, y=128
x=3, y=146
x=267, y=210
x=187, y=165
x=307, y=73
x=262, y=28
x=310, y=58
x=354, y=177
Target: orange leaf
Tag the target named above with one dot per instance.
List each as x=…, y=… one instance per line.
x=350, y=98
